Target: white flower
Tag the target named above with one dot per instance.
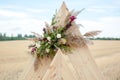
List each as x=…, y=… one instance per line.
x=58, y=35
x=48, y=38
x=37, y=45
x=47, y=50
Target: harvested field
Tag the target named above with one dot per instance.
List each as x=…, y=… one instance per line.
x=107, y=57
x=14, y=58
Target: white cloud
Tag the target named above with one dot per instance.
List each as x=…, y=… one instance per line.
x=111, y=19
x=96, y=10
x=24, y=9
x=107, y=6
x=23, y=26
x=23, y=21
x=7, y=7
x=117, y=2
x=12, y=11
x=110, y=26
x=9, y=13
x=36, y=10
x=13, y=21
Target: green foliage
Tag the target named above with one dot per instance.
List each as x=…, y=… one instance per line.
x=48, y=48
x=53, y=19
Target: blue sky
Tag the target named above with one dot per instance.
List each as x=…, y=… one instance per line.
x=24, y=16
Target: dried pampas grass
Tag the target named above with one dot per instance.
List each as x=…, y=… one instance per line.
x=91, y=33
x=76, y=41
x=79, y=40
x=36, y=34
x=33, y=39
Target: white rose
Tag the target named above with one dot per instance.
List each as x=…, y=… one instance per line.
x=48, y=38
x=47, y=50
x=58, y=35
x=37, y=45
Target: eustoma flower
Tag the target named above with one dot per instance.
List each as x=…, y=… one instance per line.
x=72, y=18
x=37, y=45
x=48, y=38
x=47, y=50
x=33, y=50
x=58, y=35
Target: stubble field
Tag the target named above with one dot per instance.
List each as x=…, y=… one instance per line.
x=14, y=58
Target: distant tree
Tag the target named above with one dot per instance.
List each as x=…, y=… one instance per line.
x=25, y=35
x=31, y=36
x=1, y=37
x=4, y=35
x=19, y=36
x=106, y=38
x=12, y=38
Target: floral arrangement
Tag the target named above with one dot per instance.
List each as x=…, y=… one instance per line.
x=55, y=37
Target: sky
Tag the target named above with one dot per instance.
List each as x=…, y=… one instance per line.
x=24, y=16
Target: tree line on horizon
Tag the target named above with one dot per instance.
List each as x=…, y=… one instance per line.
x=105, y=38
x=4, y=37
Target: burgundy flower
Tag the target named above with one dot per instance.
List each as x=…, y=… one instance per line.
x=40, y=39
x=44, y=30
x=44, y=39
x=72, y=18
x=68, y=26
x=33, y=50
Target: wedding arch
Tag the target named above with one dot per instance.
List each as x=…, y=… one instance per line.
x=77, y=64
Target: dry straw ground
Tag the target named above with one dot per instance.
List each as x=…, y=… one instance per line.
x=14, y=58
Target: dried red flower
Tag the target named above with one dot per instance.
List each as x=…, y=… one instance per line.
x=33, y=50
x=72, y=18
